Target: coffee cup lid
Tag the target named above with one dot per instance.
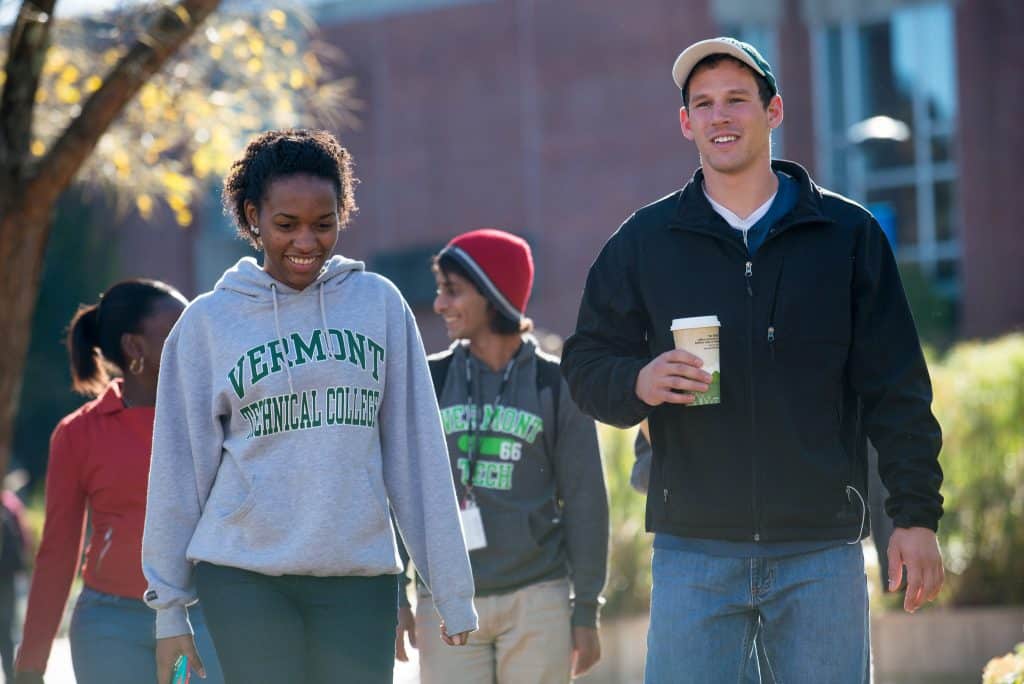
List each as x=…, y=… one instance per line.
x=695, y=322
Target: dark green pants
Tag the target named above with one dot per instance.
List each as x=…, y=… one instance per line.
x=300, y=629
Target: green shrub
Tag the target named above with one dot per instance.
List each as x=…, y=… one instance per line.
x=628, y=589
x=979, y=401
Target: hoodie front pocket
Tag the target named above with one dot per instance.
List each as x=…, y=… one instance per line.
x=243, y=509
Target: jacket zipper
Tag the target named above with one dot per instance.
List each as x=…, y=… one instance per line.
x=771, y=313
x=108, y=538
x=748, y=274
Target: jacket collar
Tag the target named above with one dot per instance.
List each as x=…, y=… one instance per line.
x=694, y=212
x=111, y=401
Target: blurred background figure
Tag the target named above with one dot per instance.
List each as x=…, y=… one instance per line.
x=14, y=553
x=99, y=461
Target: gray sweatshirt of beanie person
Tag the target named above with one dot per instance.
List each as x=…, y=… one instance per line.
x=539, y=486
x=287, y=424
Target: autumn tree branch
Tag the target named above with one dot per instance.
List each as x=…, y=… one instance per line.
x=29, y=40
x=169, y=30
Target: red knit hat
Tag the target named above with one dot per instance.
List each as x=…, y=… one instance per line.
x=500, y=264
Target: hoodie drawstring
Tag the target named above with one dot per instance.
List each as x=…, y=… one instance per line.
x=323, y=319
x=277, y=327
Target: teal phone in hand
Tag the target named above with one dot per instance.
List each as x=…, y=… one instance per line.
x=181, y=673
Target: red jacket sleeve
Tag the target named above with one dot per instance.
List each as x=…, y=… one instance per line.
x=59, y=550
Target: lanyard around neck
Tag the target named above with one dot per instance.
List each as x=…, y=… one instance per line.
x=471, y=414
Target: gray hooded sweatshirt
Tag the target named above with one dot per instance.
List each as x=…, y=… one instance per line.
x=537, y=478
x=288, y=424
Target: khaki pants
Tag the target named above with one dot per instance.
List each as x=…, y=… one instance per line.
x=525, y=637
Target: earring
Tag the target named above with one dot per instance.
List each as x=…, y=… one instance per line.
x=255, y=229
x=136, y=365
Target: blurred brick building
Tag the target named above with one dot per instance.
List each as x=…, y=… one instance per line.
x=557, y=118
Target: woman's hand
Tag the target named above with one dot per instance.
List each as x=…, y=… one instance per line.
x=406, y=625
x=459, y=639
x=169, y=650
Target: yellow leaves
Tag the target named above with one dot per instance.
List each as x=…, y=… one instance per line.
x=144, y=204
x=69, y=74
x=55, y=61
x=154, y=147
x=183, y=14
x=179, y=205
x=202, y=163
x=122, y=164
x=240, y=74
x=111, y=56
x=177, y=185
x=278, y=18
x=68, y=94
x=149, y=97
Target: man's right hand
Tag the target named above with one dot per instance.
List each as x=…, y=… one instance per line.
x=406, y=625
x=673, y=370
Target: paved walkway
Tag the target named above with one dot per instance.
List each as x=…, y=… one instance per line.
x=58, y=670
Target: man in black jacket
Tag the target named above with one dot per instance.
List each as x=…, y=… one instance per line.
x=757, y=503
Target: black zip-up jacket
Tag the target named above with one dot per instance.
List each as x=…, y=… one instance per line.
x=818, y=352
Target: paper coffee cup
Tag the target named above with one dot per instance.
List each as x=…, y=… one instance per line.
x=699, y=336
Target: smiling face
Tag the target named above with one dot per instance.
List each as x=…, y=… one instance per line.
x=724, y=117
x=299, y=223
x=465, y=311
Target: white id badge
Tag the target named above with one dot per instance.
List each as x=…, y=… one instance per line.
x=472, y=527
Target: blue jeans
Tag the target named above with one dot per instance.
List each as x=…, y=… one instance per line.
x=113, y=641
x=808, y=611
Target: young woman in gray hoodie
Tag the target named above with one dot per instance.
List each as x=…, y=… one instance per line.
x=294, y=411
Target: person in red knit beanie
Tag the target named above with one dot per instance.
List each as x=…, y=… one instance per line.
x=528, y=476
x=99, y=462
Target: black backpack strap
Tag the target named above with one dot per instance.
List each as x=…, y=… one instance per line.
x=549, y=376
x=549, y=384
x=439, y=364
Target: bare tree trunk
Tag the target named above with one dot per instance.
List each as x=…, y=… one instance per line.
x=28, y=196
x=23, y=236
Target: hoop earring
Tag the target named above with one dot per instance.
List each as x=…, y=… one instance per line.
x=137, y=365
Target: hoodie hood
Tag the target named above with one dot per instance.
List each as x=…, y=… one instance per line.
x=249, y=279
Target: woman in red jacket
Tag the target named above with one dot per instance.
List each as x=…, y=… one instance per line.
x=99, y=461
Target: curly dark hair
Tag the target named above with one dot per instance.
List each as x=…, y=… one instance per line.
x=276, y=154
